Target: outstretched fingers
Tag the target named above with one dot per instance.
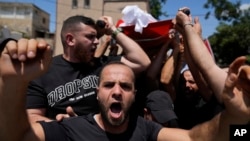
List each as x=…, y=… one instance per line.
x=244, y=80
x=232, y=75
x=236, y=91
x=236, y=64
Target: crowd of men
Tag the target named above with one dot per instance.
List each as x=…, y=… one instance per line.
x=179, y=93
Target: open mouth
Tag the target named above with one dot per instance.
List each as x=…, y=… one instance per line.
x=116, y=110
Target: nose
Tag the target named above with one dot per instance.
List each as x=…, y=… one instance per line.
x=117, y=92
x=96, y=41
x=188, y=85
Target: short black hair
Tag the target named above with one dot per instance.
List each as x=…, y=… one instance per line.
x=112, y=63
x=71, y=23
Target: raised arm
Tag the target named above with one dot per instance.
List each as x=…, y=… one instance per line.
x=236, y=98
x=154, y=69
x=201, y=58
x=203, y=86
x=170, y=72
x=102, y=48
x=134, y=56
x=20, y=62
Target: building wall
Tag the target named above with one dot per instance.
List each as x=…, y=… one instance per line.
x=23, y=17
x=41, y=21
x=96, y=9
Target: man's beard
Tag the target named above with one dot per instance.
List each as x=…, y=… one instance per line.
x=84, y=56
x=110, y=122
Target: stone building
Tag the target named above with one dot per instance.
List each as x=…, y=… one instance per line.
x=25, y=20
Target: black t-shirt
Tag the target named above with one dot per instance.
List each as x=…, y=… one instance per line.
x=85, y=128
x=67, y=84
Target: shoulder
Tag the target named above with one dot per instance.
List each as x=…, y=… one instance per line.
x=58, y=61
x=58, y=58
x=147, y=128
x=75, y=121
x=147, y=123
x=72, y=122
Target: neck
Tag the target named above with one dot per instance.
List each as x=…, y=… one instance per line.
x=70, y=59
x=111, y=128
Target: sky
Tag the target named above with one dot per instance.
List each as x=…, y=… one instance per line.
x=171, y=7
x=197, y=10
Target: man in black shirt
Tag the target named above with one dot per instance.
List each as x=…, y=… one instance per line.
x=72, y=76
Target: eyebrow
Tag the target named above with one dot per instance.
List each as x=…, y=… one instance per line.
x=106, y=82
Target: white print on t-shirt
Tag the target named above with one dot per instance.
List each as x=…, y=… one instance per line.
x=80, y=97
x=71, y=88
x=88, y=94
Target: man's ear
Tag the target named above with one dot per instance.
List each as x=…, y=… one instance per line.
x=70, y=39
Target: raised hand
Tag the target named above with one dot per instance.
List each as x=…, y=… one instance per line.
x=107, y=27
x=25, y=59
x=181, y=20
x=236, y=93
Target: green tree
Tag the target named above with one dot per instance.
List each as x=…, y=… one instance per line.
x=232, y=37
x=155, y=7
x=224, y=10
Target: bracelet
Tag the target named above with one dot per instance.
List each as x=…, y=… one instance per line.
x=116, y=32
x=184, y=25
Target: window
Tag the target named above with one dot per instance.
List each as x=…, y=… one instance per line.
x=86, y=4
x=7, y=10
x=74, y=4
x=23, y=12
x=44, y=20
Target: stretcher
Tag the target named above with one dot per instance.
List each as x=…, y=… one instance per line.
x=152, y=36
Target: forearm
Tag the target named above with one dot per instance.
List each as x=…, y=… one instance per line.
x=167, y=77
x=204, y=89
x=156, y=65
x=216, y=129
x=133, y=52
x=171, y=67
x=167, y=71
x=12, y=110
x=178, y=63
x=208, y=131
x=197, y=49
x=33, y=118
x=101, y=49
x=201, y=58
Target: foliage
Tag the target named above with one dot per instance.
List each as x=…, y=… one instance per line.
x=223, y=9
x=232, y=38
x=155, y=7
